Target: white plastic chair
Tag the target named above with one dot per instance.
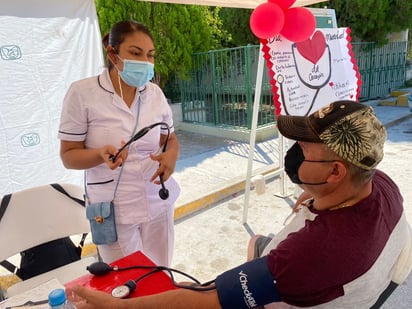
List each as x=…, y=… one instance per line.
x=402, y=269
x=38, y=215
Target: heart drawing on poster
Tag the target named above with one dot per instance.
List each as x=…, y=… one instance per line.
x=313, y=48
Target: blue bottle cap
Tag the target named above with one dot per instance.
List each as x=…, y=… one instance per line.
x=57, y=297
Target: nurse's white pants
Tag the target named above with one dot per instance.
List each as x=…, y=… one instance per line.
x=154, y=238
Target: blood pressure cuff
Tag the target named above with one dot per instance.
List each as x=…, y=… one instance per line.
x=247, y=286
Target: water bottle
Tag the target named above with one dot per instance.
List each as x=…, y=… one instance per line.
x=58, y=300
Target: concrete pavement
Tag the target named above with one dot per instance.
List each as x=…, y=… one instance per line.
x=214, y=238
x=211, y=169
x=210, y=234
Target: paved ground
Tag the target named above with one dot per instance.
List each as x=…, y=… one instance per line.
x=212, y=172
x=209, y=166
x=214, y=239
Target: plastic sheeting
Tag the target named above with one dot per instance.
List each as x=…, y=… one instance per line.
x=45, y=45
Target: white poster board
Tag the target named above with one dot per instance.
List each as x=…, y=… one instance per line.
x=308, y=75
x=44, y=46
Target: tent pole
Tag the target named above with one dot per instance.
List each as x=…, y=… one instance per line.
x=256, y=103
x=282, y=177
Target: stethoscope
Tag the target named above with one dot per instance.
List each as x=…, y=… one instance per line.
x=124, y=290
x=163, y=192
x=280, y=79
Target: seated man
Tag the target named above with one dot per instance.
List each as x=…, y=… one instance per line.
x=343, y=245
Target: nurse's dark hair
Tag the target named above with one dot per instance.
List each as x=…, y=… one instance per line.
x=119, y=32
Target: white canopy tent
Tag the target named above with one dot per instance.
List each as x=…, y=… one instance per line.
x=60, y=16
x=246, y=4
x=44, y=46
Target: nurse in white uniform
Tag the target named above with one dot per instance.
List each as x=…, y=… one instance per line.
x=99, y=115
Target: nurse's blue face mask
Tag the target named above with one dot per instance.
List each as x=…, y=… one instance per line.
x=294, y=159
x=136, y=73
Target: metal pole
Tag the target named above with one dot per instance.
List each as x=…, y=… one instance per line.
x=256, y=103
x=281, y=145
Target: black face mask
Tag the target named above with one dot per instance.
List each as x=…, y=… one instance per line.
x=293, y=160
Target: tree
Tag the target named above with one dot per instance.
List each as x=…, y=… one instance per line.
x=178, y=31
x=372, y=20
x=236, y=23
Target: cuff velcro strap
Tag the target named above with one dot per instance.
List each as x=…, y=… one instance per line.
x=247, y=286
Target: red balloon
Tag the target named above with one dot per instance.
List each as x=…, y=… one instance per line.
x=284, y=4
x=266, y=20
x=300, y=23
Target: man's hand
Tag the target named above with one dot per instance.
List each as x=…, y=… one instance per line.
x=84, y=298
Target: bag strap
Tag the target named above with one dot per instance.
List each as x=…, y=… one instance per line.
x=9, y=266
x=61, y=190
x=79, y=201
x=4, y=203
x=3, y=206
x=81, y=243
x=139, y=103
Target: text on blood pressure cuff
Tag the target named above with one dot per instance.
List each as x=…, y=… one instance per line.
x=247, y=286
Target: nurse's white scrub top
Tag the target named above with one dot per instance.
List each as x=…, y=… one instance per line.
x=94, y=113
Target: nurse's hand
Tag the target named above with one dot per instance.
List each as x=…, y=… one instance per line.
x=109, y=151
x=167, y=159
x=167, y=165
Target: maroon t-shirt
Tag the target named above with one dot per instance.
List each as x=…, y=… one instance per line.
x=312, y=265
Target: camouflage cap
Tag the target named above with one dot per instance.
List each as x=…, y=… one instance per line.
x=348, y=128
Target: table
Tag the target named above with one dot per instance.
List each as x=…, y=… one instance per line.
x=155, y=283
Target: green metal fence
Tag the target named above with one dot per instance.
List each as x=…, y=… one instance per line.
x=382, y=69
x=221, y=89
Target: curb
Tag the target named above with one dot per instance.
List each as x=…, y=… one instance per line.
x=397, y=121
x=232, y=187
